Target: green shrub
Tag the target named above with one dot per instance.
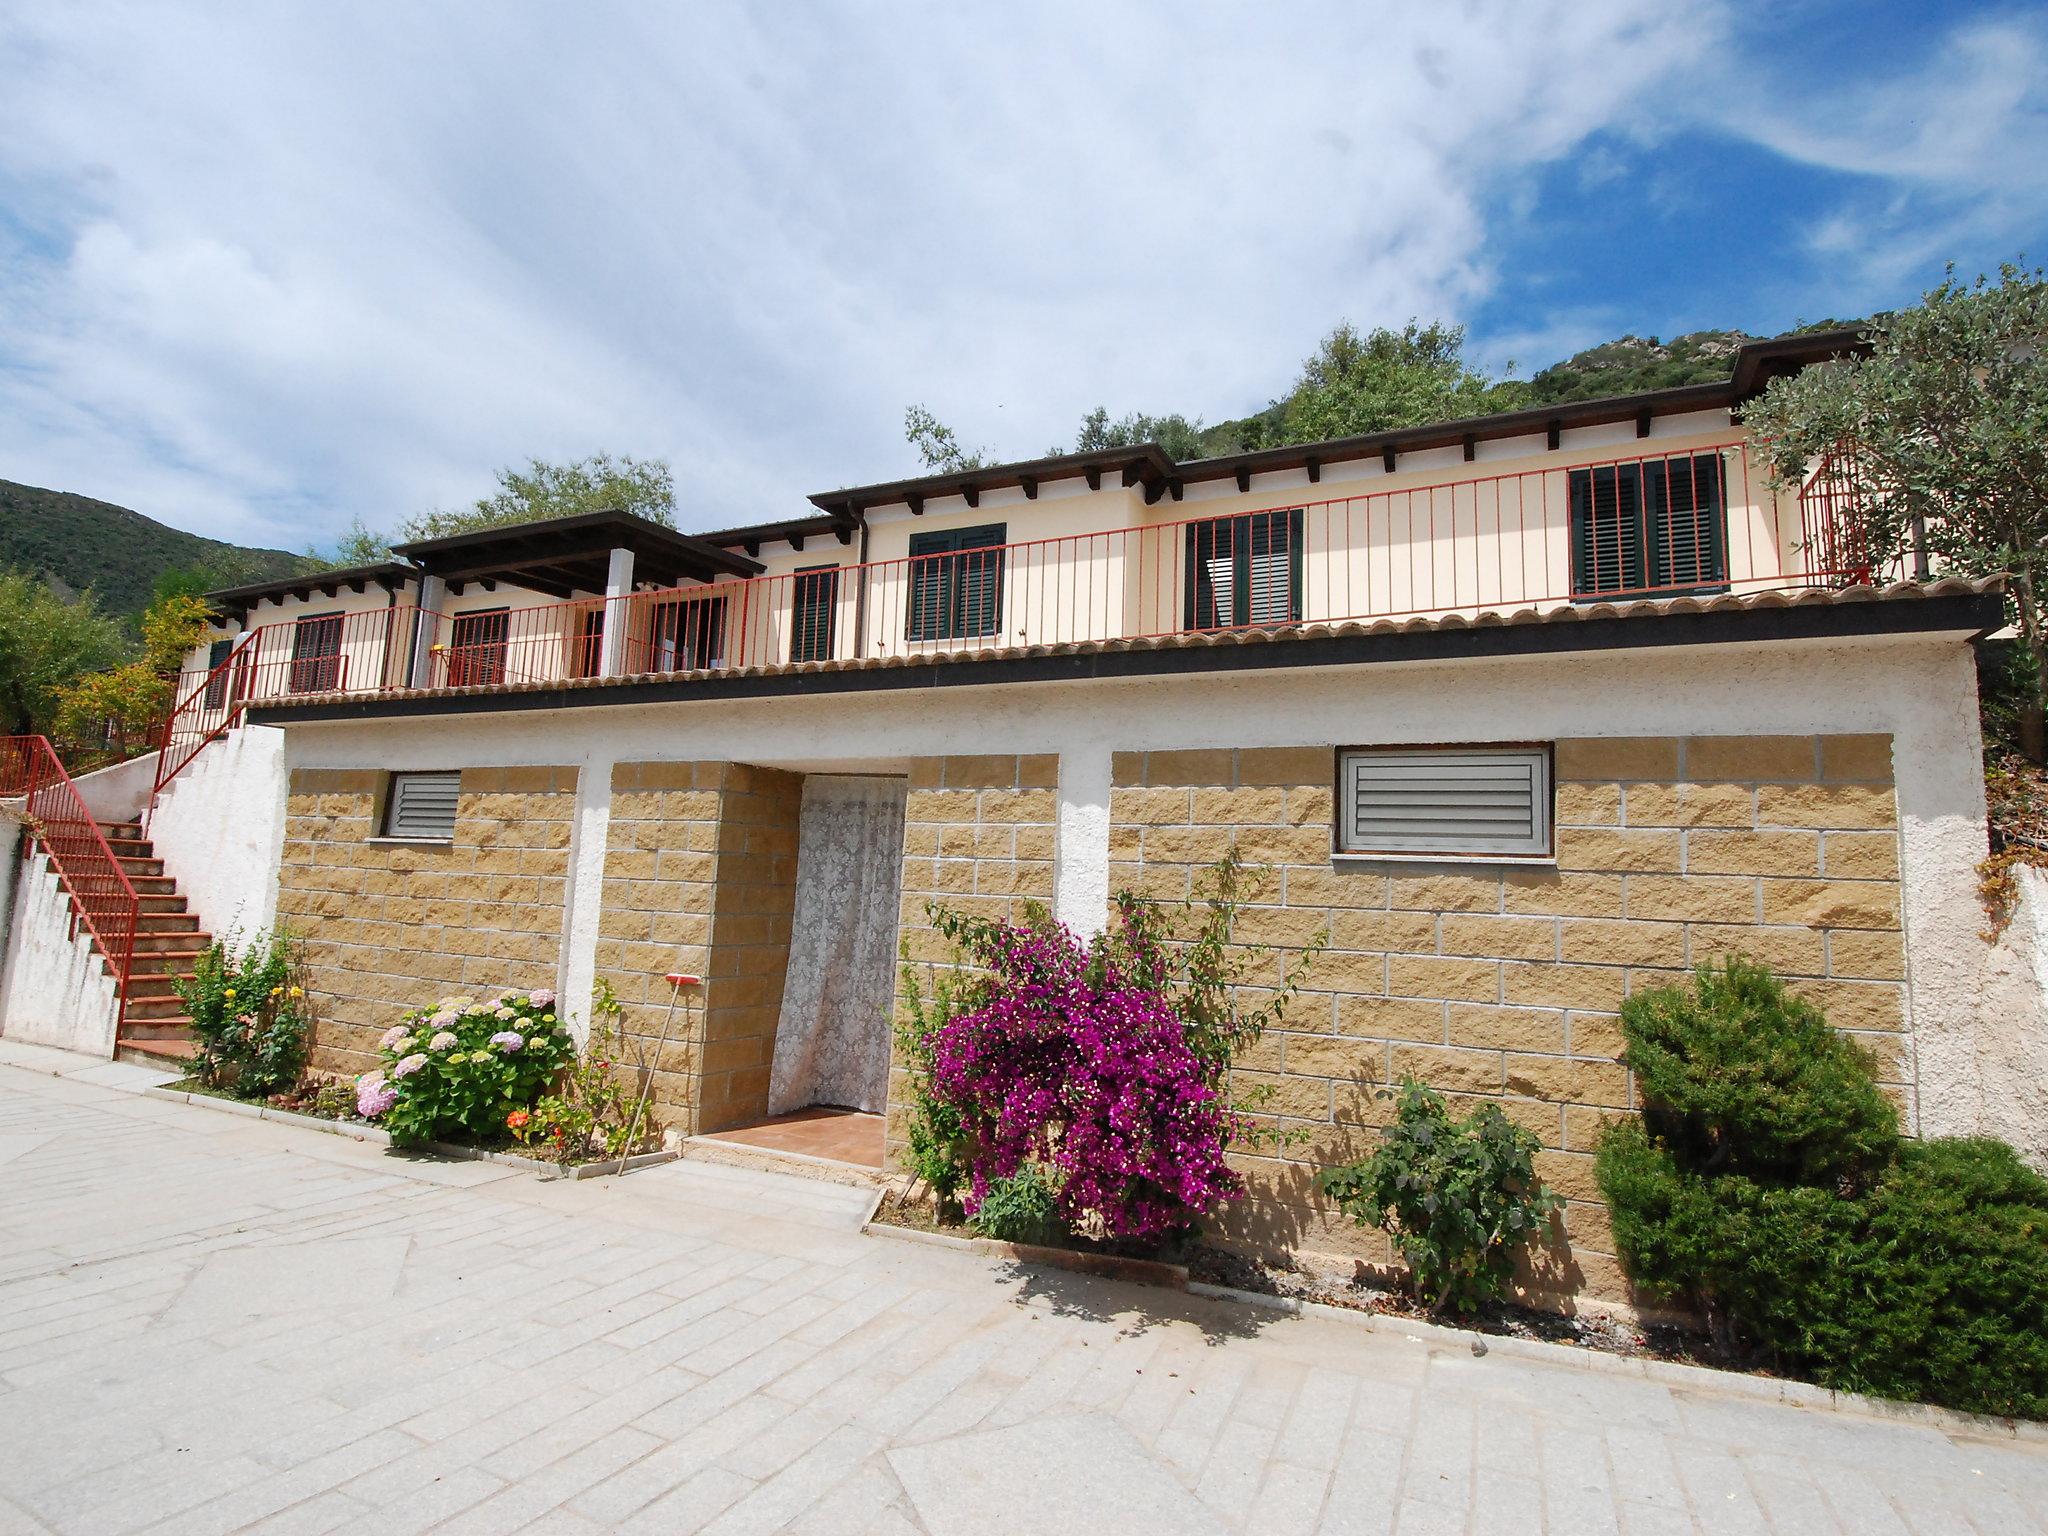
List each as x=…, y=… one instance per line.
x=1020, y=1209
x=1459, y=1197
x=249, y=1017
x=458, y=1070
x=1774, y=1199
x=1740, y=1076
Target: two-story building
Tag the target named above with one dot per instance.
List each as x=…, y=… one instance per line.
x=1525, y=713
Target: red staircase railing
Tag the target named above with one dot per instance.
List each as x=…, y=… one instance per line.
x=364, y=652
x=103, y=898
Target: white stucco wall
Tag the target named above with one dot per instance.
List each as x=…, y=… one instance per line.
x=219, y=827
x=118, y=792
x=2012, y=1051
x=1919, y=689
x=54, y=990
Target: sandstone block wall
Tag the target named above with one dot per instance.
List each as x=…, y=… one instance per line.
x=1502, y=983
x=394, y=926
x=700, y=877
x=979, y=836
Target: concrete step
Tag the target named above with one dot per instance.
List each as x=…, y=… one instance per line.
x=154, y=1053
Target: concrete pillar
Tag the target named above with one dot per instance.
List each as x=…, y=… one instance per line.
x=421, y=672
x=1081, y=848
x=618, y=586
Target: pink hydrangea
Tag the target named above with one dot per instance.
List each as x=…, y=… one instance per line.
x=410, y=1065
x=444, y=1041
x=374, y=1095
x=443, y=1018
x=542, y=998
x=392, y=1036
x=508, y=1040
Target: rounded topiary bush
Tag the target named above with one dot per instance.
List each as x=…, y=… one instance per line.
x=1767, y=1190
x=1738, y=1075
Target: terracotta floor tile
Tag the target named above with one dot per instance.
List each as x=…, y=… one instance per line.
x=843, y=1135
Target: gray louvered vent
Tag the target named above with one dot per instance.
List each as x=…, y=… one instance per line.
x=422, y=805
x=1448, y=801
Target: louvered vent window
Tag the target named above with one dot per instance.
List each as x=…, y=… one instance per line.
x=1479, y=802
x=1244, y=571
x=422, y=805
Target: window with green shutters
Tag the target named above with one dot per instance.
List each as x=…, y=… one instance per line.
x=956, y=583
x=1658, y=528
x=817, y=603
x=316, y=653
x=1244, y=571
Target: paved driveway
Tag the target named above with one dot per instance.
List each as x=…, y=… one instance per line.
x=214, y=1324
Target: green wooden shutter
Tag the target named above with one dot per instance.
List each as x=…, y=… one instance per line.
x=1607, y=531
x=817, y=602
x=956, y=583
x=1687, y=516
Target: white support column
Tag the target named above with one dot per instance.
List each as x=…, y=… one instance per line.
x=1081, y=851
x=576, y=971
x=618, y=586
x=421, y=672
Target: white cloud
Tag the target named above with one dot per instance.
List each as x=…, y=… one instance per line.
x=272, y=267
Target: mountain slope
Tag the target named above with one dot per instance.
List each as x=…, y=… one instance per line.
x=74, y=542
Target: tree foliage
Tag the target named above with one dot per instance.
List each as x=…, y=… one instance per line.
x=938, y=446
x=1180, y=438
x=1386, y=379
x=47, y=643
x=126, y=702
x=600, y=483
x=1944, y=428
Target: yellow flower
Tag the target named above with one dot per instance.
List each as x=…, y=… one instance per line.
x=298, y=991
x=275, y=990
x=229, y=992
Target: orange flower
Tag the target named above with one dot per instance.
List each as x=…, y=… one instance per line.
x=517, y=1119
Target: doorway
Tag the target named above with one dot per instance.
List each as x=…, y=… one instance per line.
x=832, y=1038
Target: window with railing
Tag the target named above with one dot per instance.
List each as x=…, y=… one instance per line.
x=1658, y=527
x=956, y=583
x=1244, y=571
x=477, y=645
x=586, y=650
x=687, y=634
x=816, y=603
x=316, y=653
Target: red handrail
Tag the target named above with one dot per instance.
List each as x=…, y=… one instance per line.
x=102, y=896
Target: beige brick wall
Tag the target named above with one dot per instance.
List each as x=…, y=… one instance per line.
x=392, y=926
x=978, y=835
x=1498, y=983
x=700, y=876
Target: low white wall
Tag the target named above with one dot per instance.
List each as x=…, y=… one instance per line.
x=2012, y=1057
x=54, y=991
x=119, y=792
x=219, y=827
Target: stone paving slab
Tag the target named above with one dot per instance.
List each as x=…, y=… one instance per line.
x=211, y=1323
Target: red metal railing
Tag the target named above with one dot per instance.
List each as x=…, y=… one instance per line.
x=103, y=898
x=364, y=652
x=1620, y=528
x=1827, y=502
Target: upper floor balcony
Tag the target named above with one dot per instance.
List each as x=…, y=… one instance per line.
x=1691, y=523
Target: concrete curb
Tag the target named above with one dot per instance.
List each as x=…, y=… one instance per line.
x=1676, y=1374
x=355, y=1131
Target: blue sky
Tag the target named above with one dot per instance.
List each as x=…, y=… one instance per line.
x=265, y=269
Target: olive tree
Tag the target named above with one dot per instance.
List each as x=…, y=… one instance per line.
x=1943, y=430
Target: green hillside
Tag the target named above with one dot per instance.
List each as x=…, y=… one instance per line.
x=74, y=542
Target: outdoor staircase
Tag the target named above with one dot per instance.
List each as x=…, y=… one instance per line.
x=155, y=1029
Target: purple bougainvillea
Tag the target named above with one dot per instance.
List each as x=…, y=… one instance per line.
x=1076, y=1064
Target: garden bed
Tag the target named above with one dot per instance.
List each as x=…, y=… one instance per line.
x=1210, y=1269
x=275, y=1107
